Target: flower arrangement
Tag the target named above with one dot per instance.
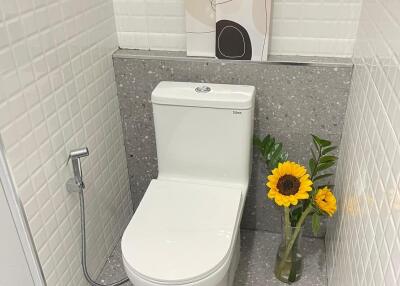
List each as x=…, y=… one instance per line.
x=301, y=193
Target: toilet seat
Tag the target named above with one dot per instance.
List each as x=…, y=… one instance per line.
x=181, y=232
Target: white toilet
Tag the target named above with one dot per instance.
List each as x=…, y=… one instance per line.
x=186, y=228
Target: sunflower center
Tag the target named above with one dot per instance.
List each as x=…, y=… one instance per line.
x=288, y=185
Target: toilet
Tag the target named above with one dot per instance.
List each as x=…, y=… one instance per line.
x=186, y=229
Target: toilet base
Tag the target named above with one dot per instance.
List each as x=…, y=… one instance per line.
x=234, y=263
x=224, y=276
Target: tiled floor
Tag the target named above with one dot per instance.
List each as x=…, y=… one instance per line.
x=256, y=262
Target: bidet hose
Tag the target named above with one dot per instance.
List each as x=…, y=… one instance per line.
x=83, y=252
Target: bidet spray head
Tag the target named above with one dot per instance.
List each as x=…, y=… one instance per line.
x=75, y=156
x=79, y=153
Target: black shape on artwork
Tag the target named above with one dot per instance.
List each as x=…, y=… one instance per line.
x=233, y=41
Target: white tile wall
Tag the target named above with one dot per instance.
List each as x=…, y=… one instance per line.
x=299, y=27
x=57, y=92
x=314, y=27
x=151, y=24
x=363, y=242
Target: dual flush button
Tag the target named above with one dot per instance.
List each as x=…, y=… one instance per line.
x=203, y=89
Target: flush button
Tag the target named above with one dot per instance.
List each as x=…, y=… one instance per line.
x=203, y=89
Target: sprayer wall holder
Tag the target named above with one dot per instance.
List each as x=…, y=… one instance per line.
x=72, y=186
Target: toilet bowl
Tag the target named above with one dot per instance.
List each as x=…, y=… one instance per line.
x=186, y=229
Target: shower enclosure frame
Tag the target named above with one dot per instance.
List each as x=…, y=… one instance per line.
x=20, y=222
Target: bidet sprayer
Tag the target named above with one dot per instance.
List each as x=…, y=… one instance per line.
x=75, y=157
x=76, y=184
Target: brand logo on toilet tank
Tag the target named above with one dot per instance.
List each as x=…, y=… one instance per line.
x=236, y=112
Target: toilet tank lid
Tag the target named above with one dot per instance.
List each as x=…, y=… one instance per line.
x=204, y=95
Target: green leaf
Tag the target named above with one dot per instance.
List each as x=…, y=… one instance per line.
x=284, y=157
x=316, y=145
x=312, y=164
x=321, y=142
x=277, y=151
x=325, y=143
x=271, y=150
x=324, y=166
x=296, y=214
x=313, y=154
x=257, y=142
x=272, y=164
x=328, y=149
x=326, y=159
x=266, y=139
x=315, y=138
x=268, y=147
x=322, y=177
x=315, y=223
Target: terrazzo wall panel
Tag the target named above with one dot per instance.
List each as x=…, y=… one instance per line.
x=363, y=242
x=57, y=93
x=291, y=102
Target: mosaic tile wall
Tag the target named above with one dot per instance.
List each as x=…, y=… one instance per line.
x=57, y=92
x=363, y=242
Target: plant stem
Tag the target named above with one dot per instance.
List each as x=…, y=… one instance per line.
x=296, y=232
x=287, y=225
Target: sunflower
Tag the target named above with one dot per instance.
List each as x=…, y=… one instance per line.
x=288, y=184
x=326, y=201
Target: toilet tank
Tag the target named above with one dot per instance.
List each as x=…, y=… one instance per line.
x=204, y=132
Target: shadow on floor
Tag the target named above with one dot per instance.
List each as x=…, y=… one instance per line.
x=258, y=250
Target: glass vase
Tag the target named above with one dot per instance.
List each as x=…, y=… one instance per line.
x=289, y=258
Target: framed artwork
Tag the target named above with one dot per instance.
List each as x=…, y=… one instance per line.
x=242, y=29
x=200, y=27
x=228, y=29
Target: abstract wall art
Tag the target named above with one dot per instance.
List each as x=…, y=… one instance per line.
x=200, y=27
x=242, y=29
x=228, y=29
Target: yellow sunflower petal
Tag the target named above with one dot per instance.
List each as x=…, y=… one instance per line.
x=302, y=196
x=326, y=201
x=271, y=194
x=293, y=200
x=278, y=201
x=304, y=189
x=286, y=202
x=305, y=178
x=295, y=170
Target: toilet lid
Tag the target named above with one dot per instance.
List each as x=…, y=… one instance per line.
x=181, y=232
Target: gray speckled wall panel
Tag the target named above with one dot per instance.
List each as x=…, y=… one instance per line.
x=292, y=101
